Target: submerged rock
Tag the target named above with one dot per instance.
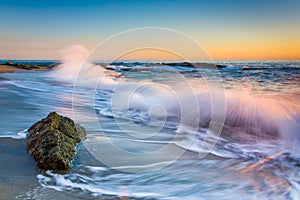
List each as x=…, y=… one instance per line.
x=52, y=141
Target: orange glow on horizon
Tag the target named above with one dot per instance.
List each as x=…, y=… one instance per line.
x=217, y=50
x=262, y=49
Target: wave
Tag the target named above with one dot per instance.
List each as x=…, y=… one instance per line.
x=73, y=69
x=60, y=182
x=254, y=127
x=247, y=116
x=244, y=116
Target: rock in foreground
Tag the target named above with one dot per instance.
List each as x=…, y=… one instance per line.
x=52, y=141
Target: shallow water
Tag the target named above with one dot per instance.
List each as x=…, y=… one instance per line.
x=149, y=129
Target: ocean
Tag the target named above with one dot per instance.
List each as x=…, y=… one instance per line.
x=160, y=130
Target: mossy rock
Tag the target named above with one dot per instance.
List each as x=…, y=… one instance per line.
x=52, y=142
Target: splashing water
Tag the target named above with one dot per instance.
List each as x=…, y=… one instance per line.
x=256, y=155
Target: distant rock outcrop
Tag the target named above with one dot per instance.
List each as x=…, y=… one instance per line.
x=52, y=141
x=195, y=65
x=183, y=64
x=26, y=66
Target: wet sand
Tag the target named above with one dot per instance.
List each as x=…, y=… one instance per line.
x=17, y=172
x=18, y=175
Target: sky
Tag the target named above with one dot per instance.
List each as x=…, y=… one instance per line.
x=226, y=29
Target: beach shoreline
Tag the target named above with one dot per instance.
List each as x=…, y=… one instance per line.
x=8, y=69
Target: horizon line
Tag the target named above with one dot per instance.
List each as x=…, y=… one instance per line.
x=153, y=60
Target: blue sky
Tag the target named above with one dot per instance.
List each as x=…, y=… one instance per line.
x=44, y=26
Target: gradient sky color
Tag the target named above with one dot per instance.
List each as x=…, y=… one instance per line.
x=227, y=29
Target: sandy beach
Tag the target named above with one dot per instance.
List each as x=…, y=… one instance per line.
x=17, y=172
x=8, y=69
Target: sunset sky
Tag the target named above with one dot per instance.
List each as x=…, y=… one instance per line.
x=227, y=29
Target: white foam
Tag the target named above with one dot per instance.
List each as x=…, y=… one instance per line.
x=19, y=135
x=76, y=71
x=61, y=182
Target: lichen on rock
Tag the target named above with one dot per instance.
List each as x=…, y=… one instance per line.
x=52, y=142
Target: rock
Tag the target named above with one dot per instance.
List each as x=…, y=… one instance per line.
x=221, y=66
x=183, y=64
x=52, y=141
x=194, y=65
x=25, y=66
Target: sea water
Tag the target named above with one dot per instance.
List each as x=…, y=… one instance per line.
x=167, y=132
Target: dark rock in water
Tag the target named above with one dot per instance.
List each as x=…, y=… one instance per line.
x=27, y=67
x=195, y=65
x=52, y=141
x=109, y=68
x=183, y=64
x=221, y=66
